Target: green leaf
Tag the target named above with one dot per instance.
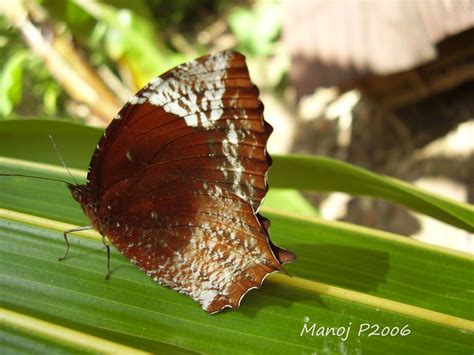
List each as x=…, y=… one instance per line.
x=131, y=38
x=294, y=172
x=323, y=174
x=256, y=29
x=344, y=275
x=78, y=21
x=11, y=84
x=14, y=133
x=289, y=200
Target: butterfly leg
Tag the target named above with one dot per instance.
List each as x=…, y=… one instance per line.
x=78, y=229
x=108, y=256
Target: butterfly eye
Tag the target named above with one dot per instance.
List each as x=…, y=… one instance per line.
x=78, y=192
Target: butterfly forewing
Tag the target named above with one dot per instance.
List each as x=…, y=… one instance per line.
x=178, y=177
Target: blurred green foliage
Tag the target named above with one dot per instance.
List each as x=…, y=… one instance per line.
x=26, y=86
x=256, y=28
x=136, y=40
x=12, y=74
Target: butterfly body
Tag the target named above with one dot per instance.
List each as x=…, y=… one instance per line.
x=178, y=178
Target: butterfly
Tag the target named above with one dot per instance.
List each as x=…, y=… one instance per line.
x=177, y=180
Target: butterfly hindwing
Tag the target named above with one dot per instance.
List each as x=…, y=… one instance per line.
x=202, y=241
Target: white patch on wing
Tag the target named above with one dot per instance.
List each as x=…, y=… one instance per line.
x=137, y=100
x=232, y=136
x=191, y=120
x=177, y=94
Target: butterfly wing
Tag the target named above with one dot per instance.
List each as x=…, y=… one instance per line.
x=198, y=239
x=179, y=176
x=205, y=115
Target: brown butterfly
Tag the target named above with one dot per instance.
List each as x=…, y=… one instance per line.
x=178, y=178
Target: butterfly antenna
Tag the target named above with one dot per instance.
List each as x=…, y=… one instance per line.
x=61, y=158
x=35, y=177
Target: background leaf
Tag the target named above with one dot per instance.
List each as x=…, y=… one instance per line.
x=11, y=82
x=297, y=172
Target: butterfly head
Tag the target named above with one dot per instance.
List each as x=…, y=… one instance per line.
x=78, y=192
x=81, y=194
